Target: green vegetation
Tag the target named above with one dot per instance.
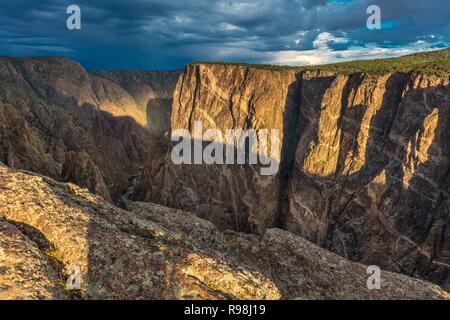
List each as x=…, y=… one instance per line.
x=272, y=67
x=52, y=253
x=431, y=63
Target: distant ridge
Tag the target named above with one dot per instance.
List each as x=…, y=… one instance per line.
x=431, y=63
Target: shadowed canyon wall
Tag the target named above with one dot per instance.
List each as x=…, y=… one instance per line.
x=364, y=161
x=59, y=120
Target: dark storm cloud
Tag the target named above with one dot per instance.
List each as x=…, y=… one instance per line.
x=167, y=34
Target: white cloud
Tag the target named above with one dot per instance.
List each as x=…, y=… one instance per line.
x=299, y=36
x=295, y=58
x=325, y=38
x=230, y=27
x=323, y=54
x=182, y=19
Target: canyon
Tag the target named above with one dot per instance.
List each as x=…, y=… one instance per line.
x=364, y=161
x=364, y=179
x=59, y=120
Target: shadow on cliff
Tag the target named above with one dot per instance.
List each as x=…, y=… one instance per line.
x=228, y=195
x=405, y=228
x=222, y=193
x=117, y=145
x=47, y=249
x=291, y=135
x=54, y=116
x=158, y=112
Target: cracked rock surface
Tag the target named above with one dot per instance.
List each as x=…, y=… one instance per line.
x=153, y=252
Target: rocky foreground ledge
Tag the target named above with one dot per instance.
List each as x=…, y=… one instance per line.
x=153, y=252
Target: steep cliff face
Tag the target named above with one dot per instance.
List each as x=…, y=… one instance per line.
x=50, y=107
x=364, y=161
x=224, y=97
x=371, y=172
x=79, y=167
x=48, y=229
